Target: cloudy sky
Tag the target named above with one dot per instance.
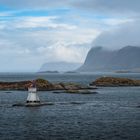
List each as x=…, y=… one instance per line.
x=33, y=32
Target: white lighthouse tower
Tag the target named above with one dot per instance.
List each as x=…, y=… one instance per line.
x=32, y=99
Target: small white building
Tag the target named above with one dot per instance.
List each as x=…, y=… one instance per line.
x=33, y=98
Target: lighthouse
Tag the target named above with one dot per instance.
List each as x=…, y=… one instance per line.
x=33, y=98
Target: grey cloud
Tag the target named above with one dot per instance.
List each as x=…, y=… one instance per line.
x=107, y=6
x=126, y=34
x=111, y=6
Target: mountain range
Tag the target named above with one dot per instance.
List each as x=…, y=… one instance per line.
x=59, y=66
x=100, y=59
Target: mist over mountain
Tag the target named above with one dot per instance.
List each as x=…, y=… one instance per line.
x=59, y=66
x=100, y=59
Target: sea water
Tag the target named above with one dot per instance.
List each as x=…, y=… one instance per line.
x=112, y=114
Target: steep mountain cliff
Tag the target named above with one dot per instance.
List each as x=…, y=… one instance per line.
x=100, y=59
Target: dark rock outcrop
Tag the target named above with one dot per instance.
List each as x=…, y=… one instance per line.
x=42, y=85
x=37, y=105
x=114, y=82
x=80, y=92
x=21, y=85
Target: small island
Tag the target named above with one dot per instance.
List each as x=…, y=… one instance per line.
x=75, y=72
x=49, y=72
x=114, y=82
x=44, y=85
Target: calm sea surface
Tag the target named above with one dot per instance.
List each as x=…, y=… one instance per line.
x=112, y=114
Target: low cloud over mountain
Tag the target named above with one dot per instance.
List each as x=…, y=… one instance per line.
x=59, y=66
